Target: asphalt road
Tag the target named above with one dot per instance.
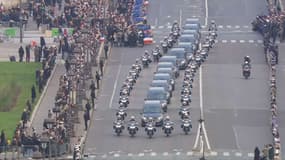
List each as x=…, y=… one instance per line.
x=236, y=110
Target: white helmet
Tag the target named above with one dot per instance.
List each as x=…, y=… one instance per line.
x=212, y=22
x=132, y=117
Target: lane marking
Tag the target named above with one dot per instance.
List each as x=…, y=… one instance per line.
x=207, y=14
x=152, y=27
x=178, y=153
x=245, y=26
x=224, y=41
x=169, y=27
x=226, y=153
x=130, y=154
x=251, y=41
x=241, y=41
x=180, y=17
x=141, y=154
x=250, y=155
x=238, y=154
x=160, y=27
x=237, y=26
x=220, y=26
x=236, y=137
x=104, y=156
x=165, y=154
x=229, y=26
x=259, y=41
x=115, y=86
x=116, y=155
x=203, y=26
x=153, y=154
x=189, y=153
x=233, y=41
x=214, y=153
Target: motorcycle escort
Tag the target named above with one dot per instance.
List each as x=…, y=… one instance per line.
x=133, y=128
x=118, y=127
x=246, y=69
x=150, y=129
x=186, y=125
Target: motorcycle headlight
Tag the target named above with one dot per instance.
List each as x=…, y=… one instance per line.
x=172, y=81
x=183, y=62
x=164, y=104
x=159, y=118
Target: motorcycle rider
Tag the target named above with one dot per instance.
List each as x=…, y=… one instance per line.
x=132, y=120
x=175, y=26
x=187, y=119
x=213, y=26
x=247, y=59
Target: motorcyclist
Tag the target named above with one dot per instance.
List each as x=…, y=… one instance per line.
x=119, y=120
x=247, y=59
x=175, y=26
x=132, y=120
x=213, y=26
x=187, y=119
x=167, y=120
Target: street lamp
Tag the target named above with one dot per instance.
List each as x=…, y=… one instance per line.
x=21, y=23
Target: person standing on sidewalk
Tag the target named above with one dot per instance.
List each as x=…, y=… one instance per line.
x=106, y=49
x=28, y=53
x=33, y=96
x=86, y=119
x=21, y=54
x=101, y=65
x=97, y=79
x=92, y=95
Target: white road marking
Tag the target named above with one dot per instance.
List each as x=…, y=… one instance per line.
x=238, y=154
x=226, y=154
x=130, y=154
x=104, y=156
x=116, y=155
x=168, y=16
x=165, y=153
x=178, y=153
x=229, y=26
x=153, y=154
x=203, y=26
x=251, y=41
x=250, y=155
x=241, y=41
x=189, y=153
x=207, y=14
x=115, y=86
x=169, y=27
x=259, y=41
x=220, y=26
x=180, y=17
x=161, y=27
x=141, y=154
x=224, y=41
x=214, y=153
x=236, y=137
x=152, y=27
x=216, y=41
x=245, y=26
x=233, y=41
x=237, y=26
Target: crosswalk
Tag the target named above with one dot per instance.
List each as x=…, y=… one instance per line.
x=150, y=153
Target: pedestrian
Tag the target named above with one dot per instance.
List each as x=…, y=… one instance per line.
x=24, y=118
x=88, y=106
x=33, y=96
x=49, y=114
x=271, y=152
x=67, y=65
x=29, y=106
x=28, y=53
x=92, y=95
x=21, y=54
x=3, y=140
x=37, y=54
x=101, y=65
x=86, y=119
x=106, y=49
x=98, y=78
x=92, y=86
x=256, y=153
x=42, y=41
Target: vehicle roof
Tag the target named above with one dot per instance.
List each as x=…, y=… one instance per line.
x=189, y=31
x=161, y=74
x=164, y=69
x=177, y=49
x=155, y=88
x=184, y=43
x=159, y=81
x=152, y=102
x=187, y=35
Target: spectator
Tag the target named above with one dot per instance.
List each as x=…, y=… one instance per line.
x=33, y=93
x=86, y=119
x=29, y=106
x=97, y=79
x=106, y=48
x=42, y=41
x=28, y=53
x=92, y=95
x=92, y=86
x=21, y=54
x=24, y=118
x=256, y=153
x=101, y=65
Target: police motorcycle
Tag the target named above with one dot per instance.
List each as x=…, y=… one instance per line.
x=246, y=69
x=118, y=127
x=156, y=54
x=186, y=124
x=185, y=99
x=126, y=89
x=164, y=46
x=213, y=26
x=134, y=74
x=146, y=59
x=150, y=129
x=121, y=113
x=198, y=59
x=167, y=126
x=204, y=53
x=184, y=112
x=136, y=66
x=133, y=126
x=124, y=101
x=141, y=37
